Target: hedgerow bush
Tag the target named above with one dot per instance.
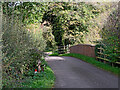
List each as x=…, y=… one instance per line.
x=110, y=37
x=21, y=49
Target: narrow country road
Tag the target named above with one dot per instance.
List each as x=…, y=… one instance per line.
x=75, y=73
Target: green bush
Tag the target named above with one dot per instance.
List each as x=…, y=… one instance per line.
x=98, y=50
x=21, y=49
x=110, y=36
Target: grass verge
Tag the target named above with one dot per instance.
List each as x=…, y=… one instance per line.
x=54, y=54
x=91, y=60
x=40, y=80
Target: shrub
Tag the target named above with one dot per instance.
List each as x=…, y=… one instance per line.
x=21, y=49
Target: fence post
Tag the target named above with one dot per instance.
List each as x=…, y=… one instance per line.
x=67, y=49
x=104, y=56
x=64, y=50
x=100, y=53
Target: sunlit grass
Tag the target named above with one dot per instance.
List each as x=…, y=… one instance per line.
x=54, y=54
x=96, y=63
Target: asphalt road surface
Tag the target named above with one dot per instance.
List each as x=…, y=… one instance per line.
x=75, y=73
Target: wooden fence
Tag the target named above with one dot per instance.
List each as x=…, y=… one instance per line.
x=62, y=49
x=104, y=57
x=89, y=50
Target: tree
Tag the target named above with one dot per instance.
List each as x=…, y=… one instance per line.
x=68, y=19
x=110, y=36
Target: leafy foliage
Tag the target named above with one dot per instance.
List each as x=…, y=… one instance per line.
x=1, y=46
x=22, y=46
x=68, y=21
x=110, y=34
x=98, y=50
x=24, y=33
x=40, y=80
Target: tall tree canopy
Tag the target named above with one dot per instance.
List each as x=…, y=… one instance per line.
x=68, y=19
